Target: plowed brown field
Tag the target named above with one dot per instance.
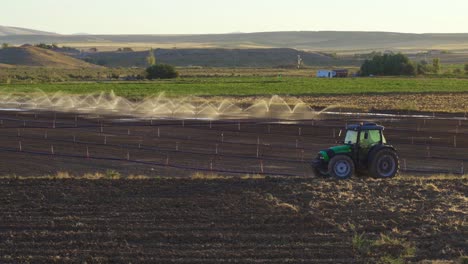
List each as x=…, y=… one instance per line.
x=272, y=220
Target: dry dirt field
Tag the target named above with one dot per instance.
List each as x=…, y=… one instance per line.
x=44, y=143
x=268, y=220
x=105, y=189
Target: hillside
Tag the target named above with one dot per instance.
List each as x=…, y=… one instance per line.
x=304, y=40
x=216, y=58
x=33, y=56
x=12, y=31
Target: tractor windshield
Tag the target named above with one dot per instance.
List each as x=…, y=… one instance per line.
x=351, y=137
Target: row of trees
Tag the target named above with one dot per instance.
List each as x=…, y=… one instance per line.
x=399, y=64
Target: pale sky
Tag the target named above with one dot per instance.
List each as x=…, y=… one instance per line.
x=225, y=16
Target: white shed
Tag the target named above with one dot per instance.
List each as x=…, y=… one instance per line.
x=326, y=74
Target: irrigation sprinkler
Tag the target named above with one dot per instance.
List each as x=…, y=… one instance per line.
x=261, y=166
x=177, y=146
x=455, y=141
x=105, y=140
x=183, y=123
x=222, y=137
x=52, y=149
x=238, y=126
x=404, y=165
x=300, y=131
x=24, y=123
x=87, y=152
x=74, y=138
x=159, y=132
x=128, y=131
x=216, y=149
x=167, y=160
x=20, y=146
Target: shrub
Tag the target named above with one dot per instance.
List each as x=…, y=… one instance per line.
x=161, y=71
x=388, y=64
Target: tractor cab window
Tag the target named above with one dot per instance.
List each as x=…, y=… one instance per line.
x=351, y=137
x=369, y=138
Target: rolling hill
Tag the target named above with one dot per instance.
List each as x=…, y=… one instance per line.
x=13, y=31
x=304, y=40
x=216, y=58
x=34, y=56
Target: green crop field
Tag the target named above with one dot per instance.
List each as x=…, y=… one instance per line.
x=252, y=86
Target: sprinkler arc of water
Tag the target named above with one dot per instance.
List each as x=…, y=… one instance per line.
x=160, y=106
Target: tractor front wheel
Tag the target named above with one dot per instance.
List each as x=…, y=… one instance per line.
x=385, y=164
x=341, y=167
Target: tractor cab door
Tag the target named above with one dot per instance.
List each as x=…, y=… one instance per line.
x=367, y=140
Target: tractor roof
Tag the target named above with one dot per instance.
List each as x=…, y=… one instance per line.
x=365, y=126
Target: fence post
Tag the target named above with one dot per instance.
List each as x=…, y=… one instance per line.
x=258, y=146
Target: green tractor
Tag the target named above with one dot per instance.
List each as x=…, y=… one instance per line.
x=365, y=149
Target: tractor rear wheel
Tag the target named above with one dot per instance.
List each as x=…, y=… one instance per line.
x=341, y=167
x=385, y=164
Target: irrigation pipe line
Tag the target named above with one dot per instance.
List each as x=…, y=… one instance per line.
x=146, y=163
x=171, y=150
x=158, y=149
x=11, y=150
x=164, y=151
x=234, y=122
x=91, y=129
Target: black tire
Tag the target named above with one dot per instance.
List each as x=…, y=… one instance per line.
x=384, y=164
x=341, y=167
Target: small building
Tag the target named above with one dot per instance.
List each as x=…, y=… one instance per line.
x=325, y=74
x=341, y=73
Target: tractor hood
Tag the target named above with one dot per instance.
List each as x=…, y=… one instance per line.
x=329, y=153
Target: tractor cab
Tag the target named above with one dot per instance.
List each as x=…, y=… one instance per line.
x=361, y=144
